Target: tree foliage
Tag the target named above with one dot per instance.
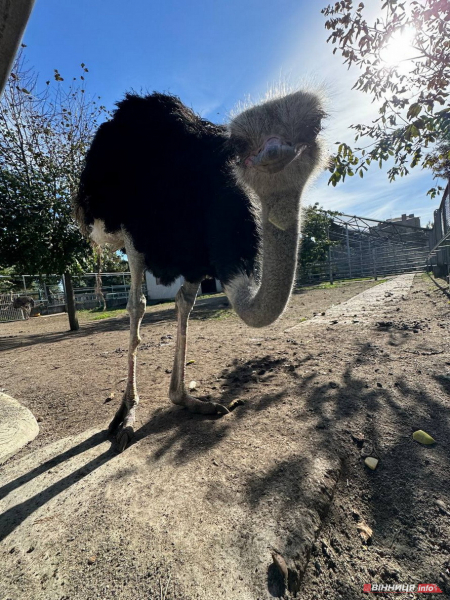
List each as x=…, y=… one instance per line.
x=316, y=227
x=110, y=261
x=414, y=109
x=45, y=131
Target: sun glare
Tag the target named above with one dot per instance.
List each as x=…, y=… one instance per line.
x=399, y=50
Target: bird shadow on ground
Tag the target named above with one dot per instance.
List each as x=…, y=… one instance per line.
x=14, y=516
x=398, y=493
x=331, y=413
x=188, y=434
x=192, y=434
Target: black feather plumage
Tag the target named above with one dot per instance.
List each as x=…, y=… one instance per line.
x=165, y=175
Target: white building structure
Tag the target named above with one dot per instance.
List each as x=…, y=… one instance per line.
x=156, y=291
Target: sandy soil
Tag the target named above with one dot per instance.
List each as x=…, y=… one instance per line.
x=318, y=397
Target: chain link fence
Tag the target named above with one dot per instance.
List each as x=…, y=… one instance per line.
x=48, y=294
x=439, y=255
x=362, y=247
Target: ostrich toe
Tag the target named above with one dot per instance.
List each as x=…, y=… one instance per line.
x=122, y=426
x=203, y=408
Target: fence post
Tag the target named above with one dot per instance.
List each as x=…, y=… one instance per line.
x=374, y=255
x=348, y=252
x=329, y=256
x=70, y=301
x=330, y=265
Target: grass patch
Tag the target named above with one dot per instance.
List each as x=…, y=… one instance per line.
x=215, y=295
x=95, y=314
x=222, y=313
x=326, y=285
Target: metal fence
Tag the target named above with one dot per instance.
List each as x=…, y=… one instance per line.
x=439, y=255
x=7, y=310
x=362, y=247
x=49, y=295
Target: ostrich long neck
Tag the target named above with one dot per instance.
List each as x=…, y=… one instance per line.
x=261, y=305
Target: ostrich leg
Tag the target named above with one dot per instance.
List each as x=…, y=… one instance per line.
x=185, y=300
x=123, y=422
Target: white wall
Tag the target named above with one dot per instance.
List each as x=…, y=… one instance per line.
x=162, y=292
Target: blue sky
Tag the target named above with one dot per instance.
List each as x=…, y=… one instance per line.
x=214, y=53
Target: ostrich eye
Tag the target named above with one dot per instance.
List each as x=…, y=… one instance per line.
x=239, y=147
x=314, y=127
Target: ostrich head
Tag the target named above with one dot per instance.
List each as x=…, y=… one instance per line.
x=278, y=150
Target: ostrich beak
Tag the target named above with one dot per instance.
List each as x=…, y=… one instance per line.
x=274, y=155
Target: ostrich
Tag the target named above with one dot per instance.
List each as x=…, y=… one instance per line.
x=187, y=197
x=25, y=303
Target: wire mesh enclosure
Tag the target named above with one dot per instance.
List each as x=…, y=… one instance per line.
x=439, y=256
x=49, y=296
x=362, y=247
x=7, y=310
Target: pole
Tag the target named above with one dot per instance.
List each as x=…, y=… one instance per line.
x=348, y=252
x=374, y=264
x=24, y=284
x=70, y=302
x=329, y=256
x=361, y=259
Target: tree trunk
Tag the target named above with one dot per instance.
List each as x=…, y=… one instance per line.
x=98, y=279
x=70, y=301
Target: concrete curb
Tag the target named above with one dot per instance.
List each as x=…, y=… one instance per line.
x=17, y=427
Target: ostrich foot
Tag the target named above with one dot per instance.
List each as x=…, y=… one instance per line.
x=198, y=406
x=122, y=425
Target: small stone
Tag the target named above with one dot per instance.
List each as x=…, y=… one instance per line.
x=442, y=508
x=380, y=385
x=39, y=419
x=109, y=398
x=365, y=532
x=234, y=403
x=371, y=462
x=423, y=437
x=358, y=438
x=192, y=385
x=280, y=564
x=91, y=560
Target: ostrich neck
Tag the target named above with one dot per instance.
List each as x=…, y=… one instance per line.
x=260, y=305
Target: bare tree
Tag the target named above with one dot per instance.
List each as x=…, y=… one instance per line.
x=45, y=131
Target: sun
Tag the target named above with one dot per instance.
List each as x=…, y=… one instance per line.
x=399, y=50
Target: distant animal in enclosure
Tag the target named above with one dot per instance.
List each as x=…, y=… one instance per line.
x=25, y=303
x=187, y=197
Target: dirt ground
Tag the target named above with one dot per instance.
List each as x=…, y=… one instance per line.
x=338, y=389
